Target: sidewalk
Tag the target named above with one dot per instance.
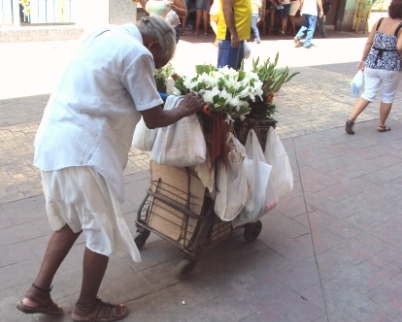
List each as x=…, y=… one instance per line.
x=330, y=251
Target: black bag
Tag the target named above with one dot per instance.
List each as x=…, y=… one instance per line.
x=326, y=7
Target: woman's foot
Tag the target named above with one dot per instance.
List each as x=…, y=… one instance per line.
x=349, y=127
x=99, y=311
x=38, y=300
x=383, y=128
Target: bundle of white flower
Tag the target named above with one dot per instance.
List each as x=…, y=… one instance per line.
x=225, y=90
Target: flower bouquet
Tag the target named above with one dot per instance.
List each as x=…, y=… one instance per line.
x=161, y=76
x=225, y=90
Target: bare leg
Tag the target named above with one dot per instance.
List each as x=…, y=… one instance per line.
x=292, y=25
x=59, y=245
x=359, y=107
x=89, y=307
x=385, y=108
x=205, y=16
x=284, y=22
x=183, y=25
x=94, y=270
x=197, y=22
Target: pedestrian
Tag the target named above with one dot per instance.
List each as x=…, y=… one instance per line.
x=171, y=10
x=81, y=149
x=255, y=7
x=322, y=20
x=309, y=13
x=269, y=17
x=381, y=63
x=233, y=28
x=202, y=13
x=294, y=8
x=284, y=16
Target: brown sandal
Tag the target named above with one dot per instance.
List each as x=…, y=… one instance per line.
x=99, y=311
x=44, y=301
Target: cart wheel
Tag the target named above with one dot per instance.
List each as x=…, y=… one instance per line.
x=185, y=266
x=251, y=231
x=141, y=238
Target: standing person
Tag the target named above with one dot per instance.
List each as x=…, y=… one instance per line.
x=381, y=63
x=255, y=7
x=202, y=13
x=82, y=147
x=321, y=20
x=309, y=19
x=233, y=28
x=284, y=15
x=174, y=10
x=294, y=8
x=270, y=8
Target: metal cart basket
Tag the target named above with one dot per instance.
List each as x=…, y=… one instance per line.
x=178, y=208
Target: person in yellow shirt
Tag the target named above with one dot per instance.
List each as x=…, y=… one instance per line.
x=234, y=26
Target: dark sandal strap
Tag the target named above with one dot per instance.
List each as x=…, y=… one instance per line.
x=41, y=289
x=99, y=311
x=43, y=300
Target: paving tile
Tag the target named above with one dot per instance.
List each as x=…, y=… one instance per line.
x=334, y=225
x=286, y=225
x=390, y=232
x=292, y=207
x=323, y=240
x=359, y=249
x=389, y=297
x=345, y=304
x=380, y=268
x=284, y=245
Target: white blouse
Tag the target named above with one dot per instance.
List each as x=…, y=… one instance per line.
x=91, y=116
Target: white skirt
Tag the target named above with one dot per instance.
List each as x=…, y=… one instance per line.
x=81, y=198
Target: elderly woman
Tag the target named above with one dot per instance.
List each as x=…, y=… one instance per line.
x=381, y=63
x=82, y=147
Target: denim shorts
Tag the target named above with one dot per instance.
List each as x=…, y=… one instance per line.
x=284, y=13
x=202, y=5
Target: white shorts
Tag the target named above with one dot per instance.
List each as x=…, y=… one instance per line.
x=294, y=6
x=374, y=78
x=81, y=198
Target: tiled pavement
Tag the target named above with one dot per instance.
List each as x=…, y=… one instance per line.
x=330, y=251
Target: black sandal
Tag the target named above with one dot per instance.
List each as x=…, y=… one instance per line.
x=349, y=127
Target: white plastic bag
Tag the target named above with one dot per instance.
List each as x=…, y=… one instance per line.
x=247, y=49
x=181, y=144
x=144, y=137
x=276, y=155
x=231, y=182
x=258, y=173
x=356, y=84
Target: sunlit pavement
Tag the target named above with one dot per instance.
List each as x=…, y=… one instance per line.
x=330, y=251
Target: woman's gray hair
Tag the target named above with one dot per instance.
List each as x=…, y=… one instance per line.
x=161, y=31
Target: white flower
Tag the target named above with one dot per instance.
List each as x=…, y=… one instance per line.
x=225, y=90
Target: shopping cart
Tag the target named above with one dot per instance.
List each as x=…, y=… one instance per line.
x=178, y=208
